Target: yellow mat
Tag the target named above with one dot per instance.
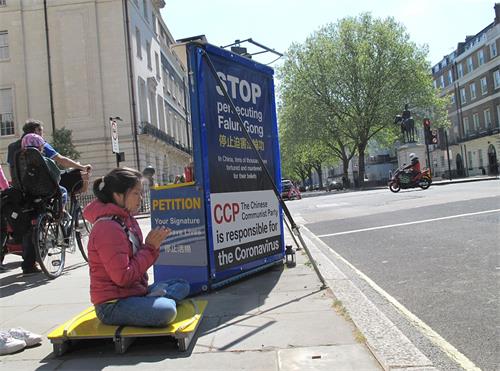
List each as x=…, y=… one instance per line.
x=86, y=325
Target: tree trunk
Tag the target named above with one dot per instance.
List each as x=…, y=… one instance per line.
x=345, y=177
x=361, y=165
x=319, y=171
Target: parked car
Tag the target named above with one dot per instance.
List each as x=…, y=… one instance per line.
x=289, y=191
x=334, y=185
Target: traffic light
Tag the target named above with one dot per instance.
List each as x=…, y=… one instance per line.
x=427, y=131
x=431, y=135
x=434, y=136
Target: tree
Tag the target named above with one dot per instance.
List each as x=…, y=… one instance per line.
x=63, y=143
x=306, y=106
x=354, y=76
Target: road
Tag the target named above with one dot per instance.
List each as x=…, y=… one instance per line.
x=434, y=251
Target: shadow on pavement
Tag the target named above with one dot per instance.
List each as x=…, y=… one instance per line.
x=229, y=305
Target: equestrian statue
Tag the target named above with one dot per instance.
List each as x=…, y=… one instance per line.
x=407, y=125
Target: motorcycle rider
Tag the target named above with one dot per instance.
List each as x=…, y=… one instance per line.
x=414, y=167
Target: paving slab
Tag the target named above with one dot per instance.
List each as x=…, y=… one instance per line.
x=283, y=330
x=350, y=357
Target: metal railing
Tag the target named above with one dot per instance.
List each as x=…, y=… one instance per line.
x=85, y=198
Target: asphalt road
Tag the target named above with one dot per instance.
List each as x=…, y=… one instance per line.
x=435, y=251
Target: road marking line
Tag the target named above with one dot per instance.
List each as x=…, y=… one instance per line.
x=408, y=223
x=432, y=335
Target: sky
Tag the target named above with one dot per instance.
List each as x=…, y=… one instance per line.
x=440, y=24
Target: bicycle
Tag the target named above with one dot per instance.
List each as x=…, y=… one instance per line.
x=54, y=237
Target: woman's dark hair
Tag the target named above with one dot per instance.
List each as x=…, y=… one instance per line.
x=119, y=180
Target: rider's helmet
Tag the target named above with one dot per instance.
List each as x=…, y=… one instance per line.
x=412, y=156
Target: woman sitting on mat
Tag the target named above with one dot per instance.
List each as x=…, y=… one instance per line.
x=118, y=259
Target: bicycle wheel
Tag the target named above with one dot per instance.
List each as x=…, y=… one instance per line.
x=49, y=245
x=82, y=232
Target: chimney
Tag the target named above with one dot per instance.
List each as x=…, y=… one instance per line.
x=497, y=13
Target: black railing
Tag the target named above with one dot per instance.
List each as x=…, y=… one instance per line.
x=147, y=128
x=479, y=134
x=85, y=198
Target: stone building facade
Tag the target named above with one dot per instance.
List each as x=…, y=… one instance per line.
x=470, y=76
x=76, y=63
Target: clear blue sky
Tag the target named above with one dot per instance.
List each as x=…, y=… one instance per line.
x=440, y=24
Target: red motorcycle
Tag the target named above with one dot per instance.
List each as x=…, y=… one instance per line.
x=403, y=180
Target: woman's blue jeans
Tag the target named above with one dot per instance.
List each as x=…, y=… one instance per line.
x=145, y=311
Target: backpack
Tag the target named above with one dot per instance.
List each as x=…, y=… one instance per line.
x=16, y=211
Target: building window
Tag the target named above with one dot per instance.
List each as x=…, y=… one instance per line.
x=480, y=157
x=441, y=81
x=487, y=118
x=157, y=64
x=469, y=155
x=493, y=50
x=143, y=103
x=6, y=112
x=148, y=54
x=161, y=112
x=498, y=115
x=4, y=45
x=145, y=9
x=434, y=83
x=152, y=108
x=470, y=65
x=463, y=98
x=450, y=77
x=480, y=57
x=452, y=97
x=172, y=86
x=475, y=120
x=3, y=2
x=466, y=126
x=484, y=85
x=472, y=89
x=460, y=70
x=153, y=21
x=138, y=43
x=496, y=79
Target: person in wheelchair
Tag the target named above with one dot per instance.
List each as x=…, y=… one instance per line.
x=35, y=141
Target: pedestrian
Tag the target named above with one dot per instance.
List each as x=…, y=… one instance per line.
x=33, y=126
x=119, y=260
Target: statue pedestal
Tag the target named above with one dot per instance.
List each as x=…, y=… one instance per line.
x=403, y=152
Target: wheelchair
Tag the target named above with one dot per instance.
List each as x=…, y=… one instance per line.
x=38, y=209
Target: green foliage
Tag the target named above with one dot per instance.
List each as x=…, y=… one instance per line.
x=63, y=143
x=344, y=85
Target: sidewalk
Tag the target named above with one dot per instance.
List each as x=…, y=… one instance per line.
x=276, y=320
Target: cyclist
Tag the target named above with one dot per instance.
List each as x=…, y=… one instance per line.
x=36, y=126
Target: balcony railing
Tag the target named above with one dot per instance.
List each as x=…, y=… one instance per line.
x=146, y=128
x=479, y=134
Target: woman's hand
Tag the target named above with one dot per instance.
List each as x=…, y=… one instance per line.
x=156, y=236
